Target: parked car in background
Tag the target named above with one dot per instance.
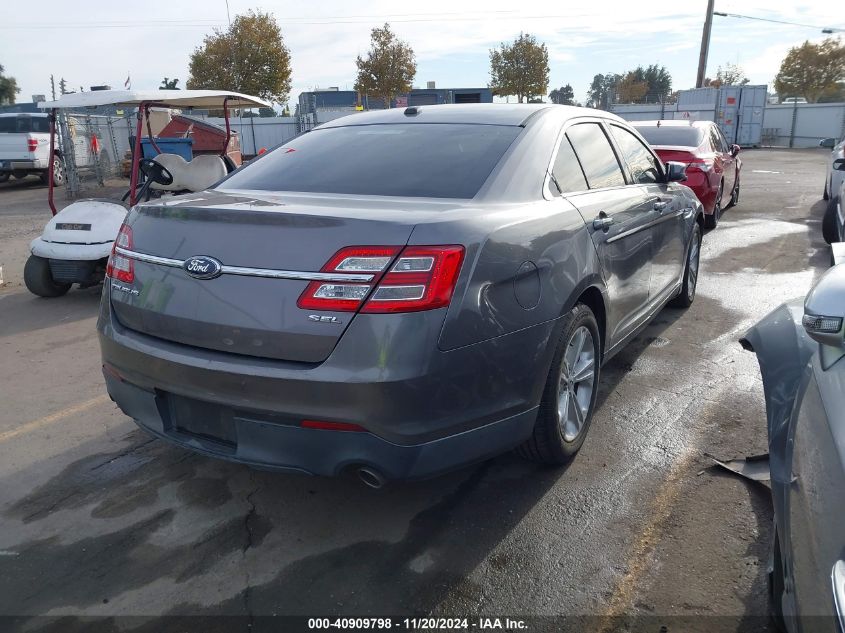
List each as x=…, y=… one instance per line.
x=399, y=292
x=801, y=351
x=833, y=223
x=834, y=177
x=25, y=147
x=713, y=169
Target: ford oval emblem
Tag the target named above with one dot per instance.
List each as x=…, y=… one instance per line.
x=202, y=267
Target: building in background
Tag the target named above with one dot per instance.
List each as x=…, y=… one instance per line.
x=335, y=100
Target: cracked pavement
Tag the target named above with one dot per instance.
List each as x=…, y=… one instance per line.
x=100, y=520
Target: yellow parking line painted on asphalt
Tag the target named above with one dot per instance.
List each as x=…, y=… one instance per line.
x=639, y=562
x=53, y=418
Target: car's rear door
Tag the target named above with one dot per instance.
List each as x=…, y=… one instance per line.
x=725, y=162
x=669, y=229
x=618, y=216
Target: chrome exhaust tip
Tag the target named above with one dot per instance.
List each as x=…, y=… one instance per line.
x=371, y=478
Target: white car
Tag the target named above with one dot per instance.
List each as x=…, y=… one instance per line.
x=833, y=224
x=834, y=177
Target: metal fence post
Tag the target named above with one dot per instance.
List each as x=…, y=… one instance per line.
x=792, y=129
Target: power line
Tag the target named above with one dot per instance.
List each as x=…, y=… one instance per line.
x=753, y=17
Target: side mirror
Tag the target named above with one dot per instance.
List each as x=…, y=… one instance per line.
x=839, y=164
x=735, y=149
x=676, y=172
x=824, y=315
x=829, y=143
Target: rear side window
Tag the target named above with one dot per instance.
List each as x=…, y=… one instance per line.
x=429, y=160
x=24, y=124
x=567, y=170
x=597, y=157
x=641, y=162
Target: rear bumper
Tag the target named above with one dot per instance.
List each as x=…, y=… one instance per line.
x=263, y=443
x=33, y=164
x=69, y=250
x=704, y=191
x=425, y=410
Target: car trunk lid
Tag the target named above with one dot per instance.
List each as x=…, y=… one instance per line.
x=265, y=241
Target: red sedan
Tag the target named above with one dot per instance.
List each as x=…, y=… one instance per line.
x=712, y=164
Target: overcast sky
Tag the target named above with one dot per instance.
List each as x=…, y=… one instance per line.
x=91, y=43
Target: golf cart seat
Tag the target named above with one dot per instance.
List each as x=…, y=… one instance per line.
x=198, y=174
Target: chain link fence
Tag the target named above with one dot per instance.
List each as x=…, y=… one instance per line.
x=94, y=150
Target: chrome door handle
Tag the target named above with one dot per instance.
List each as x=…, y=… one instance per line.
x=660, y=205
x=602, y=223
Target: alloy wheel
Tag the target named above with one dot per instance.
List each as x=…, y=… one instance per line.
x=58, y=172
x=575, y=387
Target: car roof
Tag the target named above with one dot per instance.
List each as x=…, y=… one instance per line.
x=671, y=123
x=472, y=113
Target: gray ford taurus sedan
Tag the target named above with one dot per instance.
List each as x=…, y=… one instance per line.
x=399, y=292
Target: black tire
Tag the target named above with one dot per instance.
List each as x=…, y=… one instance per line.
x=776, y=585
x=58, y=172
x=4, y=175
x=19, y=174
x=39, y=280
x=548, y=444
x=712, y=221
x=691, y=271
x=830, y=230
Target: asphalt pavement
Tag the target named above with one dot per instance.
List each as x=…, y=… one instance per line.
x=638, y=533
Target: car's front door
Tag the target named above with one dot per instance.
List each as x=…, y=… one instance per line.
x=618, y=216
x=816, y=497
x=669, y=231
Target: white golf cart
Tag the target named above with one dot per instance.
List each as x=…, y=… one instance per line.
x=77, y=241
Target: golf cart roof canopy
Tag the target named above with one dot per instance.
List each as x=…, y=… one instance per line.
x=212, y=99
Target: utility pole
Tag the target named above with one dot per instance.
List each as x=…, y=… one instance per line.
x=705, y=45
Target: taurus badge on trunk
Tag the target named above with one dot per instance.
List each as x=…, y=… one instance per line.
x=202, y=267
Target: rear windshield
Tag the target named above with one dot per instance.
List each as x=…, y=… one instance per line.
x=14, y=124
x=428, y=160
x=672, y=135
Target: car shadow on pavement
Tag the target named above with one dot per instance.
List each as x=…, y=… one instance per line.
x=24, y=312
x=114, y=522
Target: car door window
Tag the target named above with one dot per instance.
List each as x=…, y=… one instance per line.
x=716, y=140
x=642, y=163
x=567, y=170
x=593, y=148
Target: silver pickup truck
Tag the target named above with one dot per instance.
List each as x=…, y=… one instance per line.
x=25, y=147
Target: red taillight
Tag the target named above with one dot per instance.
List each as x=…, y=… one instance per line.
x=32, y=144
x=423, y=278
x=121, y=267
x=420, y=278
x=702, y=164
x=332, y=426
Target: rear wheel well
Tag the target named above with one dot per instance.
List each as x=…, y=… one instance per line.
x=593, y=299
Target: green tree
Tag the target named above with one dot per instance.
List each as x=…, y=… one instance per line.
x=812, y=70
x=563, y=96
x=520, y=69
x=169, y=84
x=250, y=56
x=389, y=68
x=730, y=75
x=601, y=90
x=8, y=89
x=658, y=79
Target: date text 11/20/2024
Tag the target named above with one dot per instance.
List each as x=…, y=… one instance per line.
x=417, y=624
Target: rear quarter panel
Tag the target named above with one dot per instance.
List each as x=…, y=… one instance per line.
x=525, y=265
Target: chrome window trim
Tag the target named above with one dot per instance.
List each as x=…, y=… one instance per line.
x=271, y=273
